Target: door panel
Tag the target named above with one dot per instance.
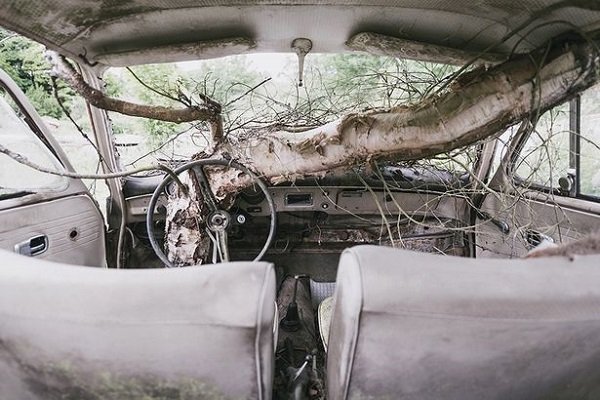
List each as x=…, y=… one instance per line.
x=562, y=219
x=42, y=215
x=543, y=184
x=72, y=226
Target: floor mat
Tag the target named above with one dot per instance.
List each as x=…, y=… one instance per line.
x=319, y=291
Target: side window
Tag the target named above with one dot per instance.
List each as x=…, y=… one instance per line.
x=563, y=153
x=16, y=135
x=545, y=156
x=589, y=178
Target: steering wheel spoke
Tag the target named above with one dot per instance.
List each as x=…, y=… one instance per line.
x=201, y=180
x=220, y=247
x=218, y=221
x=223, y=247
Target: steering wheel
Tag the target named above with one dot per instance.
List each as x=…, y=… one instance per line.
x=218, y=220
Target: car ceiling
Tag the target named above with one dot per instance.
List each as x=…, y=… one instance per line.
x=124, y=32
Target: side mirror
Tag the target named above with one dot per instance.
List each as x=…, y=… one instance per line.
x=566, y=184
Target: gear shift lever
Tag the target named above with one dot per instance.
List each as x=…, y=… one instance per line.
x=291, y=321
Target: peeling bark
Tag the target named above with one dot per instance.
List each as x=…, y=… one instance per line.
x=383, y=45
x=186, y=242
x=193, y=51
x=186, y=239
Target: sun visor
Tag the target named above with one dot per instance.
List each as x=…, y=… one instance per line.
x=179, y=52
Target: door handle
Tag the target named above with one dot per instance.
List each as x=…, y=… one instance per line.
x=33, y=246
x=535, y=238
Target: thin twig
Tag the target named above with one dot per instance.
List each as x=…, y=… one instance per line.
x=155, y=90
x=25, y=161
x=68, y=114
x=253, y=88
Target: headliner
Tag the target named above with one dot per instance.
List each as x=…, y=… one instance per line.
x=123, y=32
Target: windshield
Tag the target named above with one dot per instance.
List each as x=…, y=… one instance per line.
x=261, y=93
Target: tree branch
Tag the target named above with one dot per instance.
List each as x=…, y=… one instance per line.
x=21, y=159
x=479, y=104
x=64, y=70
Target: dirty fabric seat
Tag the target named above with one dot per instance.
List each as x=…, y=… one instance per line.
x=411, y=325
x=77, y=332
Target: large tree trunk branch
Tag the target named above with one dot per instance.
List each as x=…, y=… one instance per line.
x=64, y=70
x=480, y=104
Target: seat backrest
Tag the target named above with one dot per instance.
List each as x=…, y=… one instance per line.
x=78, y=332
x=410, y=325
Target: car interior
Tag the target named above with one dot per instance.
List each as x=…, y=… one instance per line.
x=391, y=280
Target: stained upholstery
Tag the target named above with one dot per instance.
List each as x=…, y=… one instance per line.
x=199, y=332
x=411, y=325
x=123, y=33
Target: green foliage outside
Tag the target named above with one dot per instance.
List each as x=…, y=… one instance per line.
x=162, y=77
x=368, y=81
x=222, y=80
x=23, y=60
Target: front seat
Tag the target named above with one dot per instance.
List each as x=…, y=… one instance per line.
x=70, y=332
x=410, y=325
